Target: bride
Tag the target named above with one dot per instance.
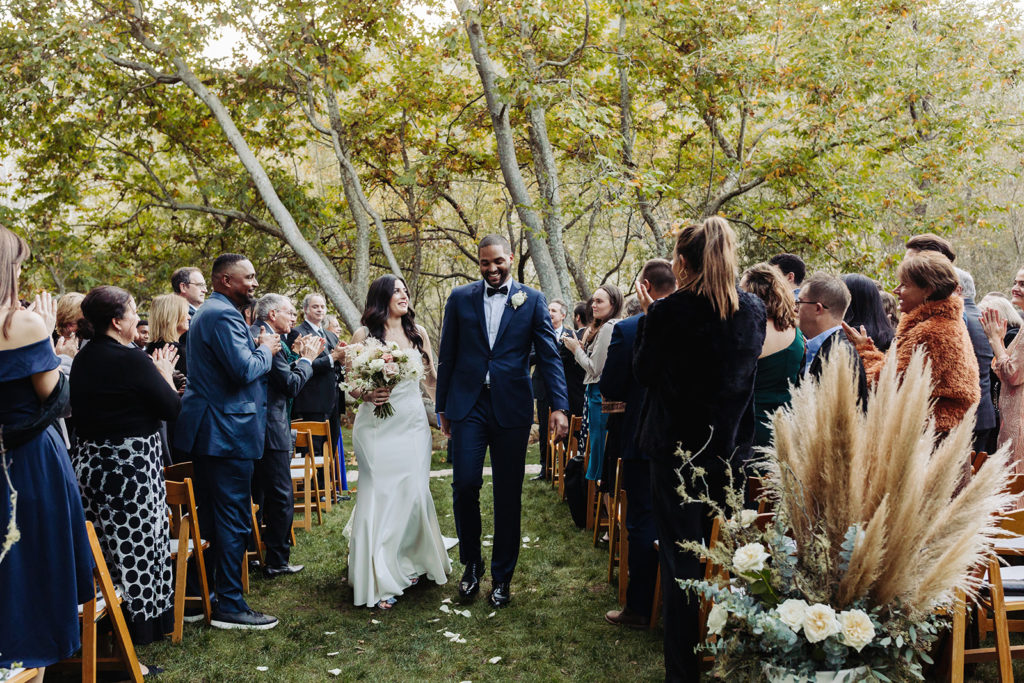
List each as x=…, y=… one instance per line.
x=394, y=536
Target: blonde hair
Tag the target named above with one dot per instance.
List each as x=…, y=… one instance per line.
x=13, y=251
x=770, y=286
x=166, y=311
x=69, y=309
x=1002, y=306
x=709, y=250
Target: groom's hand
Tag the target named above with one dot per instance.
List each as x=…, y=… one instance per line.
x=446, y=426
x=558, y=424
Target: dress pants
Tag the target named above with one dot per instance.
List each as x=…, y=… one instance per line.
x=273, y=493
x=542, y=421
x=225, y=519
x=677, y=521
x=471, y=438
x=643, y=558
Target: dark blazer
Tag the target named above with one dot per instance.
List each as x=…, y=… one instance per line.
x=284, y=382
x=618, y=383
x=224, y=409
x=839, y=337
x=986, y=418
x=465, y=356
x=573, y=376
x=320, y=395
x=699, y=373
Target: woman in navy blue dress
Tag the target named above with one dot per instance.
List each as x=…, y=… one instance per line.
x=47, y=572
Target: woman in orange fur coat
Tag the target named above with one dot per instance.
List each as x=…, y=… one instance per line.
x=932, y=317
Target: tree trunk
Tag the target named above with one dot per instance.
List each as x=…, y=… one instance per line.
x=543, y=263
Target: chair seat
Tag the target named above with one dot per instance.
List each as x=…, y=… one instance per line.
x=101, y=606
x=1010, y=546
x=191, y=545
x=1013, y=585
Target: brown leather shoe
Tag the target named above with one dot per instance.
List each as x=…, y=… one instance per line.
x=626, y=618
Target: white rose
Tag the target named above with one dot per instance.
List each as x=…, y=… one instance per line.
x=791, y=612
x=717, y=618
x=518, y=299
x=858, y=630
x=398, y=354
x=376, y=365
x=820, y=622
x=747, y=517
x=749, y=558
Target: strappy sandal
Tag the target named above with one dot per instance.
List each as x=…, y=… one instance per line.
x=386, y=604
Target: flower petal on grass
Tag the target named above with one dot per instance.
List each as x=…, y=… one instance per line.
x=487, y=544
x=494, y=660
x=445, y=608
x=262, y=668
x=374, y=621
x=446, y=601
x=333, y=654
x=334, y=672
x=329, y=633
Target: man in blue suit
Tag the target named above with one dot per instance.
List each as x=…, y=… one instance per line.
x=485, y=400
x=222, y=423
x=619, y=384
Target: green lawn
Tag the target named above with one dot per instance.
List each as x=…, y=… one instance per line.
x=554, y=629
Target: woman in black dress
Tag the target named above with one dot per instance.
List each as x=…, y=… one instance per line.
x=696, y=352
x=119, y=396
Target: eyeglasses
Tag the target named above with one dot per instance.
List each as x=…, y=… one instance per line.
x=799, y=301
x=197, y=284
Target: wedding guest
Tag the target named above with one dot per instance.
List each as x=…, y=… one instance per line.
x=65, y=337
x=222, y=426
x=696, y=352
x=933, y=318
x=985, y=417
x=332, y=325
x=189, y=284
x=997, y=301
x=631, y=307
x=581, y=316
x=141, y=334
x=930, y=242
x=272, y=482
x=170, y=317
x=1008, y=365
x=820, y=310
x=782, y=356
x=590, y=353
x=892, y=308
x=119, y=396
x=619, y=384
x=793, y=270
x=48, y=572
x=867, y=309
x=557, y=310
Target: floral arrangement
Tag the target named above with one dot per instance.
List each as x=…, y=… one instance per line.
x=874, y=528
x=373, y=364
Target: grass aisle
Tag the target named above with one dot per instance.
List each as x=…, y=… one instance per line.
x=554, y=629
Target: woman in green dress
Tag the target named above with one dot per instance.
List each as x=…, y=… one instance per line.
x=782, y=356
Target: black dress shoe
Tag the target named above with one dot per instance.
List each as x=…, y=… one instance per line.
x=470, y=584
x=501, y=594
x=271, y=572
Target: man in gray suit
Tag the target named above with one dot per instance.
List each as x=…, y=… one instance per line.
x=985, y=421
x=272, y=481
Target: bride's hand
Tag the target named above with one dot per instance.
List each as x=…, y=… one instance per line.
x=378, y=396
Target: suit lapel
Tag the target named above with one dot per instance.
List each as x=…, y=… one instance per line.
x=477, y=296
x=506, y=313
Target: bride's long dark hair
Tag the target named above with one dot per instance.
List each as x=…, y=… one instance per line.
x=377, y=311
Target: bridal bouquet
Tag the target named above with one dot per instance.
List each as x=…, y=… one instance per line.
x=373, y=364
x=872, y=535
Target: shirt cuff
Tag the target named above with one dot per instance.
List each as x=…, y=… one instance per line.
x=303, y=358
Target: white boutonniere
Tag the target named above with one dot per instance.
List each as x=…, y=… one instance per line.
x=518, y=299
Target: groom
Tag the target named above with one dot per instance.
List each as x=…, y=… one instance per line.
x=485, y=399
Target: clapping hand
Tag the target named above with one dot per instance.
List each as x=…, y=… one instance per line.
x=309, y=346
x=66, y=346
x=643, y=296
x=339, y=352
x=164, y=359
x=994, y=325
x=46, y=308
x=571, y=342
x=856, y=338
x=271, y=340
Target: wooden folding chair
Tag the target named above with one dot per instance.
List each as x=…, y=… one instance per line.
x=104, y=603
x=570, y=450
x=185, y=539
x=977, y=460
x=303, y=475
x=616, y=521
x=257, y=537
x=623, y=553
x=19, y=675
x=325, y=461
x=656, y=601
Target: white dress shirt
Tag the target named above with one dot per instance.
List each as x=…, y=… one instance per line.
x=319, y=331
x=494, y=308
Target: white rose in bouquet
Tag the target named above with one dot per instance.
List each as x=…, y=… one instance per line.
x=717, y=618
x=858, y=630
x=377, y=365
x=791, y=613
x=749, y=558
x=820, y=622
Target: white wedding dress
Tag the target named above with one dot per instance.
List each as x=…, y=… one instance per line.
x=393, y=533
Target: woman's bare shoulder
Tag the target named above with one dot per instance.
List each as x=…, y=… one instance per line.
x=26, y=328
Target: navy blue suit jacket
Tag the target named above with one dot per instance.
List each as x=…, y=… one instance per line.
x=465, y=357
x=284, y=382
x=224, y=409
x=618, y=383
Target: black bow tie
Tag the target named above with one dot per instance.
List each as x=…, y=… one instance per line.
x=491, y=291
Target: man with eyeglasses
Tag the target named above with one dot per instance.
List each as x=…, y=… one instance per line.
x=188, y=282
x=820, y=308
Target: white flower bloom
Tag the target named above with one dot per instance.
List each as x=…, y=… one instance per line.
x=717, y=618
x=747, y=517
x=376, y=365
x=820, y=622
x=518, y=299
x=749, y=558
x=791, y=612
x=858, y=630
